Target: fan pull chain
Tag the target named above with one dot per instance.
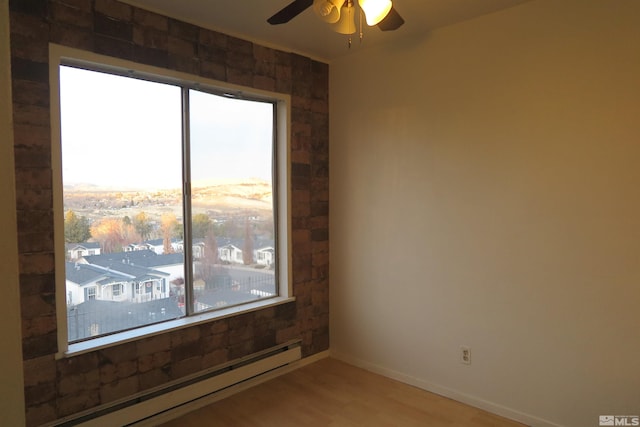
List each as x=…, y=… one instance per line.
x=360, y=24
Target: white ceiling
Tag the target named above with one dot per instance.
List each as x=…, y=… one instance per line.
x=307, y=34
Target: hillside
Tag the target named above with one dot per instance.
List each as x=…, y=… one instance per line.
x=215, y=198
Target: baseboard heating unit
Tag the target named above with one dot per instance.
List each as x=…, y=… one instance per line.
x=186, y=394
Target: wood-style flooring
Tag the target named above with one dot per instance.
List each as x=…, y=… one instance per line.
x=331, y=393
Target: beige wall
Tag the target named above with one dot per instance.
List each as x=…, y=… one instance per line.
x=485, y=192
x=11, y=383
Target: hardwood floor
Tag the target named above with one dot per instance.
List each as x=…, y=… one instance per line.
x=330, y=393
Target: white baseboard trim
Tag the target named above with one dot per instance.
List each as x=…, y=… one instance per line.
x=467, y=399
x=184, y=409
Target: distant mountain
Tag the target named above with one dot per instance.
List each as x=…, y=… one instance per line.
x=222, y=197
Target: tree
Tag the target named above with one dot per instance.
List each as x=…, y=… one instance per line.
x=108, y=233
x=231, y=228
x=264, y=227
x=178, y=231
x=143, y=226
x=206, y=266
x=76, y=228
x=247, y=249
x=113, y=234
x=200, y=225
x=168, y=225
x=129, y=233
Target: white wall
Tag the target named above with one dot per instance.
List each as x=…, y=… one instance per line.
x=485, y=191
x=11, y=380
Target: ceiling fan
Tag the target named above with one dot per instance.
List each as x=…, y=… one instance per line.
x=341, y=14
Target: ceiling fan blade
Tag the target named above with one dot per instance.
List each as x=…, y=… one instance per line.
x=289, y=12
x=392, y=21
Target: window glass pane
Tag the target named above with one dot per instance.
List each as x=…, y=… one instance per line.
x=232, y=200
x=122, y=185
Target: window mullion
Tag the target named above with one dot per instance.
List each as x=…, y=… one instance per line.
x=275, y=158
x=186, y=204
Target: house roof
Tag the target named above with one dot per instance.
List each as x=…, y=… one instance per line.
x=83, y=274
x=156, y=242
x=132, y=257
x=78, y=273
x=229, y=245
x=161, y=260
x=136, y=272
x=83, y=245
x=144, y=258
x=108, y=272
x=222, y=242
x=267, y=249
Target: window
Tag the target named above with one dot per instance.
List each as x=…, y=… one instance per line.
x=117, y=289
x=183, y=186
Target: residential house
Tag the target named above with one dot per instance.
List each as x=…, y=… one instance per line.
x=230, y=254
x=78, y=250
x=113, y=294
x=156, y=245
x=197, y=247
x=265, y=256
x=171, y=264
x=114, y=282
x=135, y=247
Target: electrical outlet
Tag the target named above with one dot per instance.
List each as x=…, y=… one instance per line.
x=465, y=355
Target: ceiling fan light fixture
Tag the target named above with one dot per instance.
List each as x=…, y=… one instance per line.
x=375, y=10
x=347, y=22
x=328, y=10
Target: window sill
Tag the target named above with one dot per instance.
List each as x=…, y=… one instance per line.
x=171, y=325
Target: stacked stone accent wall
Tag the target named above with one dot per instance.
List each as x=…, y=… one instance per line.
x=59, y=388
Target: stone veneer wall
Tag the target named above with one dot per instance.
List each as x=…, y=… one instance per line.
x=58, y=388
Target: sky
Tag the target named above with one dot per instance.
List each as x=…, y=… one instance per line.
x=120, y=132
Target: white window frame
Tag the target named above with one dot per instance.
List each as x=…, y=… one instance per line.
x=139, y=288
x=61, y=55
x=92, y=293
x=120, y=291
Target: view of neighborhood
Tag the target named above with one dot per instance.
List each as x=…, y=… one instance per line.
x=125, y=151
x=125, y=272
